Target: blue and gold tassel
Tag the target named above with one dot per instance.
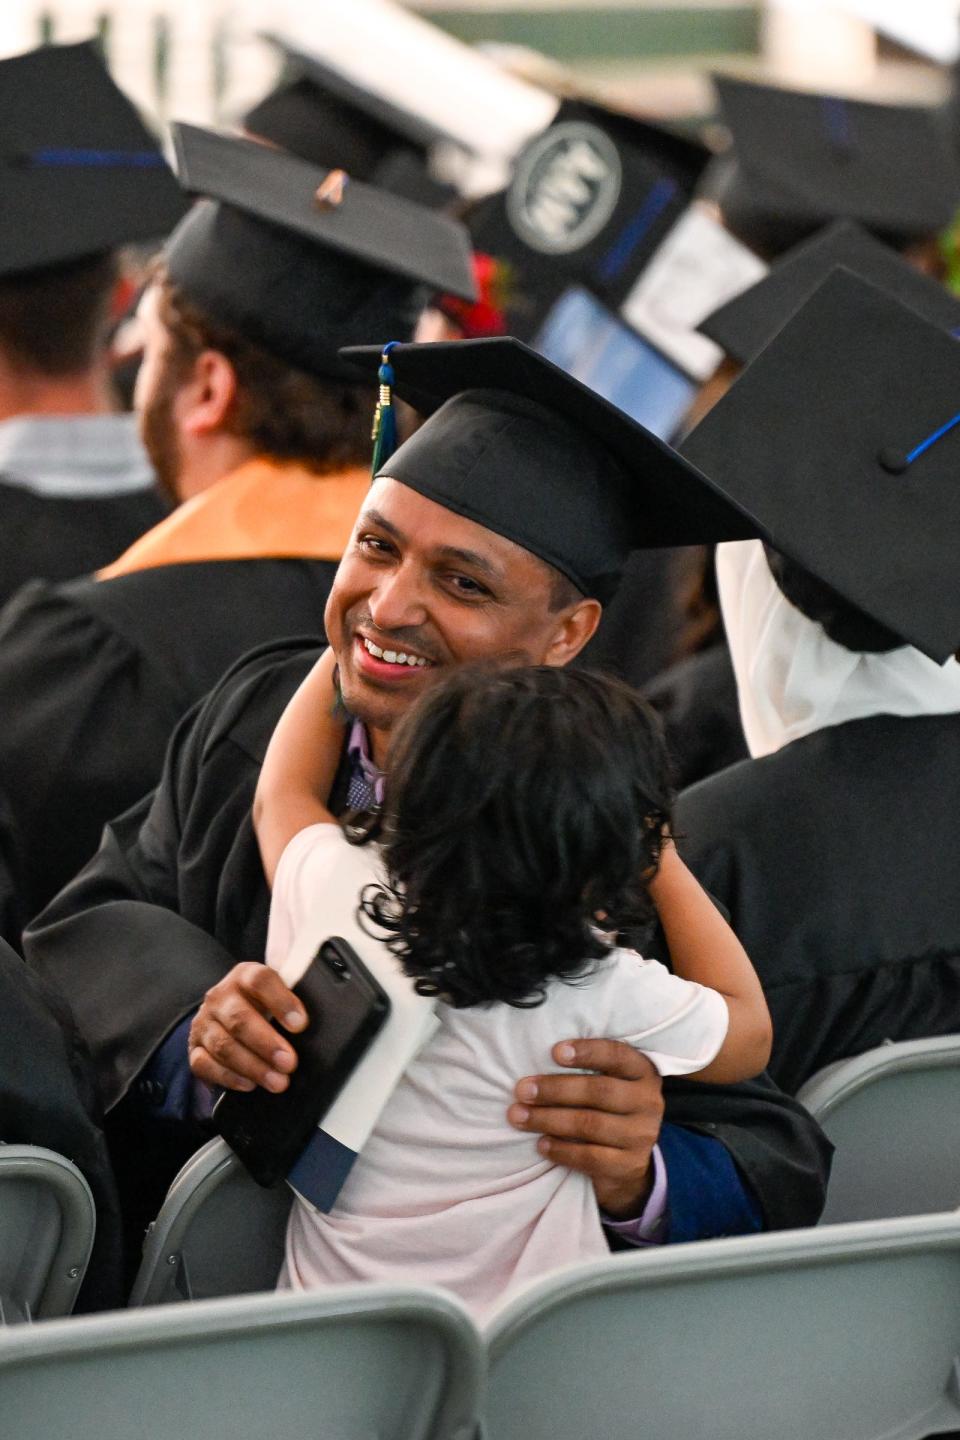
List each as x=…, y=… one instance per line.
x=384, y=417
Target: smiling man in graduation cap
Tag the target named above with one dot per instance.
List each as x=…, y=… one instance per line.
x=80, y=177
x=835, y=847
x=254, y=422
x=498, y=529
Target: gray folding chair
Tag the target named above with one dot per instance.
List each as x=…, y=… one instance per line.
x=218, y=1233
x=47, y=1223
x=894, y=1116
x=347, y=1363
x=847, y=1332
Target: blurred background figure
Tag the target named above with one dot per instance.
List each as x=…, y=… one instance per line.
x=82, y=177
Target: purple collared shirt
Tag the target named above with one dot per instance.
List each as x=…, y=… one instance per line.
x=647, y=1229
x=365, y=787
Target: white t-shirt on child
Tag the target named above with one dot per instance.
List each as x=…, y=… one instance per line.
x=446, y=1192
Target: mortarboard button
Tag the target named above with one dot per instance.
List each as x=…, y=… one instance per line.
x=893, y=461
x=329, y=193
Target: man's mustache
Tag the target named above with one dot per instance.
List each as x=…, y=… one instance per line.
x=403, y=635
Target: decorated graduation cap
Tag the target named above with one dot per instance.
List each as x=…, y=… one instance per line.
x=302, y=260
x=843, y=439
x=804, y=159
x=79, y=172
x=591, y=198
x=322, y=115
x=517, y=445
x=748, y=322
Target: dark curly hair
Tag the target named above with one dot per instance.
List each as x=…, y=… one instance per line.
x=525, y=810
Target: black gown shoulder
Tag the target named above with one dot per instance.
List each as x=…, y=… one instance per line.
x=175, y=894
x=95, y=675
x=52, y=537
x=838, y=858
x=697, y=701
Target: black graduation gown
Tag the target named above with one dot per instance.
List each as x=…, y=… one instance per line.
x=52, y=537
x=176, y=895
x=838, y=858
x=94, y=675
x=641, y=628
x=48, y=1097
x=697, y=701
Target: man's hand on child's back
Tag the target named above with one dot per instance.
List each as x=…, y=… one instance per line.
x=232, y=1042
x=604, y=1124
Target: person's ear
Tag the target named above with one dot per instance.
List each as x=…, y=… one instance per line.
x=206, y=398
x=575, y=627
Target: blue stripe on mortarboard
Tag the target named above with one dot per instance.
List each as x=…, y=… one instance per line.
x=932, y=439
x=321, y=1170
x=633, y=232
x=69, y=159
x=836, y=116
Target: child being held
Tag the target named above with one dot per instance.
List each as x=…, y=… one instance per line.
x=524, y=832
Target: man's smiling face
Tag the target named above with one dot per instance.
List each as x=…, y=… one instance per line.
x=421, y=588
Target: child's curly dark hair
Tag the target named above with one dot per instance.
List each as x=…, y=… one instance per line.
x=525, y=811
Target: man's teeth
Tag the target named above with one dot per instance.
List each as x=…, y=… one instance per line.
x=393, y=657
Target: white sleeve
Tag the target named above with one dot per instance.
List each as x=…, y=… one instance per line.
x=678, y=1024
x=302, y=872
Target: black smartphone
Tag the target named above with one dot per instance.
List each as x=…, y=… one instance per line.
x=346, y=1007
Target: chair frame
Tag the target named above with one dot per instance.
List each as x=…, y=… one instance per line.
x=838, y=1082
x=97, y=1338
x=62, y=1179
x=164, y=1274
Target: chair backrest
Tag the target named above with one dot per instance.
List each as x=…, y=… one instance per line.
x=894, y=1116
x=47, y=1223
x=848, y=1332
x=350, y=1363
x=218, y=1233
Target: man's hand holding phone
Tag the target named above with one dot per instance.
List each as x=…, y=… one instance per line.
x=344, y=1007
x=232, y=1042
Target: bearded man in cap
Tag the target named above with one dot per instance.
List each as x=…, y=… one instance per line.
x=498, y=529
x=261, y=436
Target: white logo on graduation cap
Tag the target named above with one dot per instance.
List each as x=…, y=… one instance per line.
x=566, y=188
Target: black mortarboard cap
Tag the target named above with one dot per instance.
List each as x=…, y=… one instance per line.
x=298, y=273
x=843, y=439
x=750, y=320
x=318, y=113
x=79, y=172
x=520, y=447
x=805, y=159
x=591, y=198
